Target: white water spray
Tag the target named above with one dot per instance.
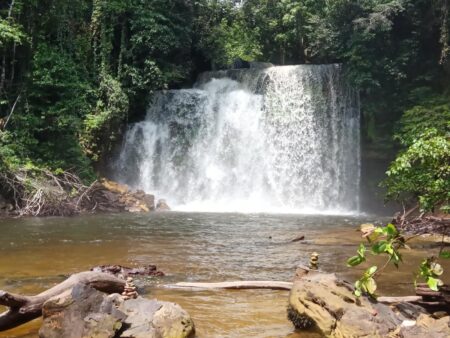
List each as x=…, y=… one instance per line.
x=280, y=139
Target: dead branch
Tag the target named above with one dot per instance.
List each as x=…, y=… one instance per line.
x=26, y=308
x=404, y=299
x=272, y=285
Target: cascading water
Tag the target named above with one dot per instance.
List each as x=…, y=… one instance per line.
x=281, y=139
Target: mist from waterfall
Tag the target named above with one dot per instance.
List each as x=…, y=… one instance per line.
x=279, y=139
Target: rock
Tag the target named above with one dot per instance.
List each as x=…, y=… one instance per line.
x=239, y=63
x=172, y=321
x=80, y=312
x=149, y=201
x=136, y=208
x=260, y=65
x=86, y=312
x=327, y=303
x=298, y=239
x=426, y=326
x=110, y=196
x=115, y=187
x=162, y=205
x=152, y=318
x=145, y=270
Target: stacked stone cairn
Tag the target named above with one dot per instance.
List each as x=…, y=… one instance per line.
x=314, y=261
x=129, y=291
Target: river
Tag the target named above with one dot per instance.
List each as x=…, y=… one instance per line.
x=36, y=253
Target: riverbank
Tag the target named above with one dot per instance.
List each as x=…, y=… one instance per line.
x=64, y=194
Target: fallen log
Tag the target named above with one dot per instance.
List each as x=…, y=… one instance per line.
x=272, y=285
x=25, y=308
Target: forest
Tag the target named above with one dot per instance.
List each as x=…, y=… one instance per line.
x=259, y=123
x=74, y=73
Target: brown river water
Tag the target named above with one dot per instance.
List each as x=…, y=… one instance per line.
x=37, y=253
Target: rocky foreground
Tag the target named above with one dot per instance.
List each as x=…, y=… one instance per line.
x=322, y=301
x=86, y=312
x=97, y=304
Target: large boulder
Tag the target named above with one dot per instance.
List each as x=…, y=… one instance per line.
x=323, y=301
x=110, y=196
x=152, y=318
x=86, y=312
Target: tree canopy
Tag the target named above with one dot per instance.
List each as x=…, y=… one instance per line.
x=72, y=73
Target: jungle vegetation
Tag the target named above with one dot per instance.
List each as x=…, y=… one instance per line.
x=73, y=72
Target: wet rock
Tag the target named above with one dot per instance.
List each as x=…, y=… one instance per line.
x=110, y=196
x=323, y=301
x=86, y=312
x=145, y=270
x=162, y=205
x=149, y=201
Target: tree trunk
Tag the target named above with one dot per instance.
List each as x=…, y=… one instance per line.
x=25, y=308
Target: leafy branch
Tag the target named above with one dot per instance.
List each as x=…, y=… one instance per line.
x=389, y=241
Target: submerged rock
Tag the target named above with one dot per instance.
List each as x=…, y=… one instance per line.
x=323, y=301
x=86, y=312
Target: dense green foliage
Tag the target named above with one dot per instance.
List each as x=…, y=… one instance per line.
x=74, y=72
x=422, y=170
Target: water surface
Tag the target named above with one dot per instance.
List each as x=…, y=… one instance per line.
x=36, y=253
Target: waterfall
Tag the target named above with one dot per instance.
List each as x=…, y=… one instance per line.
x=279, y=139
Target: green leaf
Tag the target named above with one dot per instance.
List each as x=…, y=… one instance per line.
x=370, y=286
x=361, y=250
x=445, y=254
x=433, y=283
x=391, y=230
x=379, y=247
x=355, y=260
x=357, y=293
x=372, y=270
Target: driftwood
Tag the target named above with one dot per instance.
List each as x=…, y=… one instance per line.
x=403, y=299
x=424, y=296
x=273, y=285
x=25, y=308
